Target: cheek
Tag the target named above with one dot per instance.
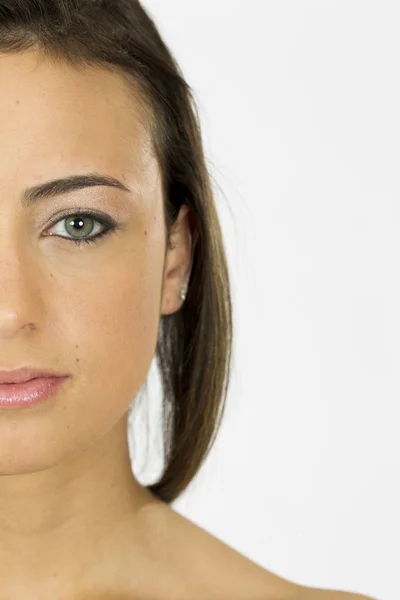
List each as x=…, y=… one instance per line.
x=113, y=328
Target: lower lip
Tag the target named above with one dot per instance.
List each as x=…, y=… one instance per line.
x=29, y=393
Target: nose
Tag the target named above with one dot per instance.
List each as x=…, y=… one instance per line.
x=19, y=293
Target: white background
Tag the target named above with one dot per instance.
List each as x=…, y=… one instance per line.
x=300, y=111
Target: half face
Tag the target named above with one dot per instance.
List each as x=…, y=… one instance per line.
x=71, y=299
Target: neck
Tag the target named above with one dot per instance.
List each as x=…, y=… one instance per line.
x=60, y=523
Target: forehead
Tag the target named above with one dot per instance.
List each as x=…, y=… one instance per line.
x=61, y=118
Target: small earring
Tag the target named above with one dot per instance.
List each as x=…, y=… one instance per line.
x=183, y=292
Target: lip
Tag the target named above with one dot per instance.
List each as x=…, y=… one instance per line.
x=25, y=374
x=28, y=393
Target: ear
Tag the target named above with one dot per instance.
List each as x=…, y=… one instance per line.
x=178, y=260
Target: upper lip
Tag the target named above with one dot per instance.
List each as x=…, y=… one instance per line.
x=26, y=373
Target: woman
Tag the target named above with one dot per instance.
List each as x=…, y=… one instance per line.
x=111, y=253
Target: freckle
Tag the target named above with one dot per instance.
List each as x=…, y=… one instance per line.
x=145, y=232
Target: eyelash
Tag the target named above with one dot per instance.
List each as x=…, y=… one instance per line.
x=109, y=224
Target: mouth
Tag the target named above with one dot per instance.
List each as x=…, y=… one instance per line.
x=30, y=392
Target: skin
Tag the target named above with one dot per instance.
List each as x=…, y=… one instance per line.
x=74, y=521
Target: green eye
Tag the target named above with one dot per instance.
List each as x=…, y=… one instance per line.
x=80, y=224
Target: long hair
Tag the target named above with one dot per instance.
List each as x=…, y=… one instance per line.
x=194, y=344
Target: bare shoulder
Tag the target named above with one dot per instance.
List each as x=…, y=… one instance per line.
x=215, y=570
x=211, y=568
x=305, y=593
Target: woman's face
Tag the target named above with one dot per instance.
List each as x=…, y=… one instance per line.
x=95, y=308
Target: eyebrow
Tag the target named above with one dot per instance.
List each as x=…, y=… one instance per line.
x=65, y=185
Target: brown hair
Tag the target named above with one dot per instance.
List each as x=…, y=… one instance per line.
x=194, y=345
